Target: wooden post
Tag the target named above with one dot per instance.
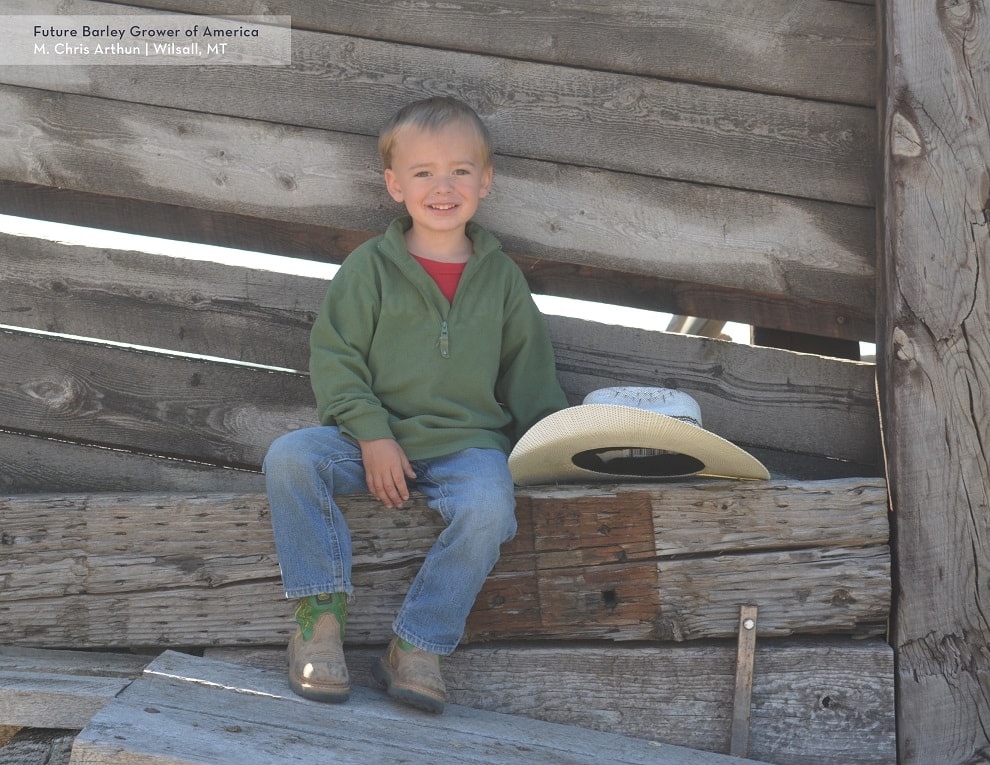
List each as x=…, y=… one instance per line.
x=743, y=697
x=934, y=369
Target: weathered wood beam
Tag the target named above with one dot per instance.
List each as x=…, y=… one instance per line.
x=572, y=116
x=615, y=562
x=61, y=689
x=848, y=314
x=31, y=746
x=814, y=700
x=161, y=403
x=764, y=243
x=821, y=49
x=183, y=708
x=934, y=367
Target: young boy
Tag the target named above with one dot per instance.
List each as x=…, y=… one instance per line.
x=428, y=358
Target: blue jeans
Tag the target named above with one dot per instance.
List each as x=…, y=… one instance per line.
x=471, y=490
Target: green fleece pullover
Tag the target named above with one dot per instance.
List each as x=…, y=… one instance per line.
x=391, y=358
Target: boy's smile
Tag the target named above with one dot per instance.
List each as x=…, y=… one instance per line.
x=440, y=177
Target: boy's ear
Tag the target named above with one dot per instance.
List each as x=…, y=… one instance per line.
x=486, y=180
x=392, y=184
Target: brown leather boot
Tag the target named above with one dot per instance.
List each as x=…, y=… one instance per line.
x=412, y=676
x=316, y=652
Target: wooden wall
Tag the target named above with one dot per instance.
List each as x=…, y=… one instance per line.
x=733, y=186
x=712, y=158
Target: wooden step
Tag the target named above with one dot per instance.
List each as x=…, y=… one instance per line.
x=191, y=710
x=814, y=701
x=61, y=689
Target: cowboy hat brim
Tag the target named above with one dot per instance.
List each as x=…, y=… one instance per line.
x=567, y=446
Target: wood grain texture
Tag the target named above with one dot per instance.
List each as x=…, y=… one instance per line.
x=191, y=710
x=819, y=406
x=821, y=50
x=242, y=313
x=583, y=117
x=165, y=405
x=935, y=368
x=60, y=689
x=759, y=243
x=35, y=465
x=133, y=569
x=223, y=413
x=847, y=283
x=741, y=391
x=814, y=700
x=31, y=746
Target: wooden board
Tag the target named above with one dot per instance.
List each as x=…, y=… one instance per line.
x=722, y=137
x=38, y=746
x=223, y=413
x=233, y=312
x=34, y=465
x=814, y=701
x=165, y=405
x=847, y=285
x=60, y=689
x=934, y=371
x=821, y=49
x=188, y=710
x=759, y=397
x=760, y=243
x=599, y=562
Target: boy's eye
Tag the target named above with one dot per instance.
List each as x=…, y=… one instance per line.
x=422, y=174
x=462, y=171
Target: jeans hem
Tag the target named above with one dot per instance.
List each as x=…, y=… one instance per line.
x=327, y=589
x=442, y=649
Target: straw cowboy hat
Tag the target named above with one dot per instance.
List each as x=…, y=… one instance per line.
x=627, y=433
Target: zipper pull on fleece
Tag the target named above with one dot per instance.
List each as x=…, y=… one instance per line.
x=444, y=340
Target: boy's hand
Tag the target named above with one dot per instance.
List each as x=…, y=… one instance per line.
x=386, y=469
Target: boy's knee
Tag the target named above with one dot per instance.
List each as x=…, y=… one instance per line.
x=287, y=453
x=495, y=514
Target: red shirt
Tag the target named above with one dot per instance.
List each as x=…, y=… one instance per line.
x=446, y=275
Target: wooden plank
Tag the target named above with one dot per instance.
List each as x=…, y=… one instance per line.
x=934, y=368
x=765, y=244
x=39, y=747
x=821, y=50
x=849, y=315
x=582, y=117
x=795, y=402
x=182, y=224
x=240, y=313
x=33, y=465
x=117, y=570
x=60, y=689
x=742, y=699
x=229, y=414
x=166, y=405
x=814, y=701
x=187, y=709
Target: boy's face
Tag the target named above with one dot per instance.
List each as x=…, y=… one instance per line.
x=439, y=176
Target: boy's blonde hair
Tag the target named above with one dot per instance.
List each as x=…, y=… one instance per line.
x=432, y=114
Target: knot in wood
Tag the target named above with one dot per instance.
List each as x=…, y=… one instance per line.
x=905, y=138
x=57, y=395
x=902, y=345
